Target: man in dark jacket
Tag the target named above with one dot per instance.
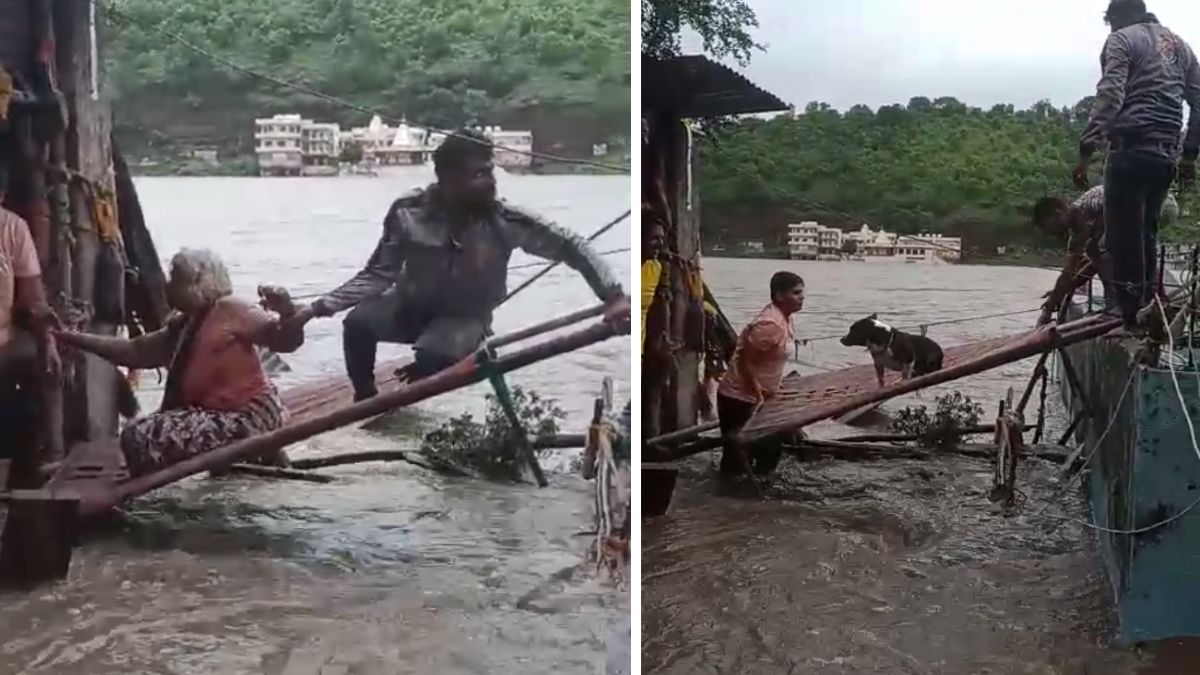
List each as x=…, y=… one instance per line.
x=441, y=267
x=1148, y=74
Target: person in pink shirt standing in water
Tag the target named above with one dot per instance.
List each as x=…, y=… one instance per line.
x=755, y=373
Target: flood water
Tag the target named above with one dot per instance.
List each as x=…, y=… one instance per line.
x=390, y=569
x=898, y=566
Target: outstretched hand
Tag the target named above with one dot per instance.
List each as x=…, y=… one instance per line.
x=276, y=299
x=618, y=311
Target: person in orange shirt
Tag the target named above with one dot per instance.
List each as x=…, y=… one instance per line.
x=755, y=373
x=216, y=391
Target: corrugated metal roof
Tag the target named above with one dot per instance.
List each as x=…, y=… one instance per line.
x=696, y=87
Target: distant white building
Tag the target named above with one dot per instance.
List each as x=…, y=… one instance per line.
x=810, y=240
x=277, y=145
x=928, y=247
x=872, y=244
x=290, y=145
x=383, y=144
x=508, y=141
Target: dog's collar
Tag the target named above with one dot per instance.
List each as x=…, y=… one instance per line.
x=891, y=339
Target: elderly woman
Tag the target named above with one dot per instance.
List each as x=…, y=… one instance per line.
x=216, y=391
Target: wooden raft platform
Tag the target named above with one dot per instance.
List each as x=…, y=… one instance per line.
x=803, y=400
x=311, y=399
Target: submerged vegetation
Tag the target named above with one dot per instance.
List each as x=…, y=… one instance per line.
x=487, y=448
x=953, y=413
x=553, y=67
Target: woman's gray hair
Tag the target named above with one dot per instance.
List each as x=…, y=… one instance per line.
x=203, y=274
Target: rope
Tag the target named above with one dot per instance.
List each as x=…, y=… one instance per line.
x=930, y=324
x=548, y=264
x=349, y=105
x=1086, y=460
x=1191, y=431
x=614, y=251
x=595, y=235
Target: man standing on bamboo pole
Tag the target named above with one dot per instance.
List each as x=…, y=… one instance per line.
x=1148, y=74
x=440, y=269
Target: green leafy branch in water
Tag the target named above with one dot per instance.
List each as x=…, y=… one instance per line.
x=488, y=448
x=954, y=414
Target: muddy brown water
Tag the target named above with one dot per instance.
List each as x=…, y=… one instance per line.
x=900, y=566
x=387, y=570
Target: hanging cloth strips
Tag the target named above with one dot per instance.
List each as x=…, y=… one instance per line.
x=103, y=205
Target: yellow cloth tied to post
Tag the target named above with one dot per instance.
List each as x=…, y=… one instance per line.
x=6, y=92
x=651, y=275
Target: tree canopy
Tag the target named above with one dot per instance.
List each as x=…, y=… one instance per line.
x=440, y=64
x=931, y=165
x=723, y=25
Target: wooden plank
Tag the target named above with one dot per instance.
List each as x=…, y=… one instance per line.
x=804, y=400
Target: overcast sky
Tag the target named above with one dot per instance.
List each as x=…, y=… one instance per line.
x=982, y=52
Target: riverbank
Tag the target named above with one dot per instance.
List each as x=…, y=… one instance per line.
x=1024, y=258
x=247, y=167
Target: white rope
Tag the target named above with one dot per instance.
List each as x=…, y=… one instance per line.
x=1191, y=431
x=1100, y=441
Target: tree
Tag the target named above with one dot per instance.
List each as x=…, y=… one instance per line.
x=723, y=25
x=849, y=246
x=930, y=165
x=508, y=62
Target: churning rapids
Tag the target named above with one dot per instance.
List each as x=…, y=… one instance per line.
x=885, y=567
x=387, y=570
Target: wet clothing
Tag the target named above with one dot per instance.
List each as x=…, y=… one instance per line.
x=1148, y=74
x=18, y=260
x=216, y=391
x=757, y=366
x=763, y=457
x=437, y=274
x=760, y=356
x=170, y=436
x=215, y=364
x=1085, y=240
x=1136, y=185
x=21, y=414
x=438, y=343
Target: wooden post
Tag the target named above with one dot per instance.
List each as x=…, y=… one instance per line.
x=685, y=242
x=89, y=155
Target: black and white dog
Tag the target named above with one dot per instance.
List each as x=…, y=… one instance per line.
x=890, y=348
